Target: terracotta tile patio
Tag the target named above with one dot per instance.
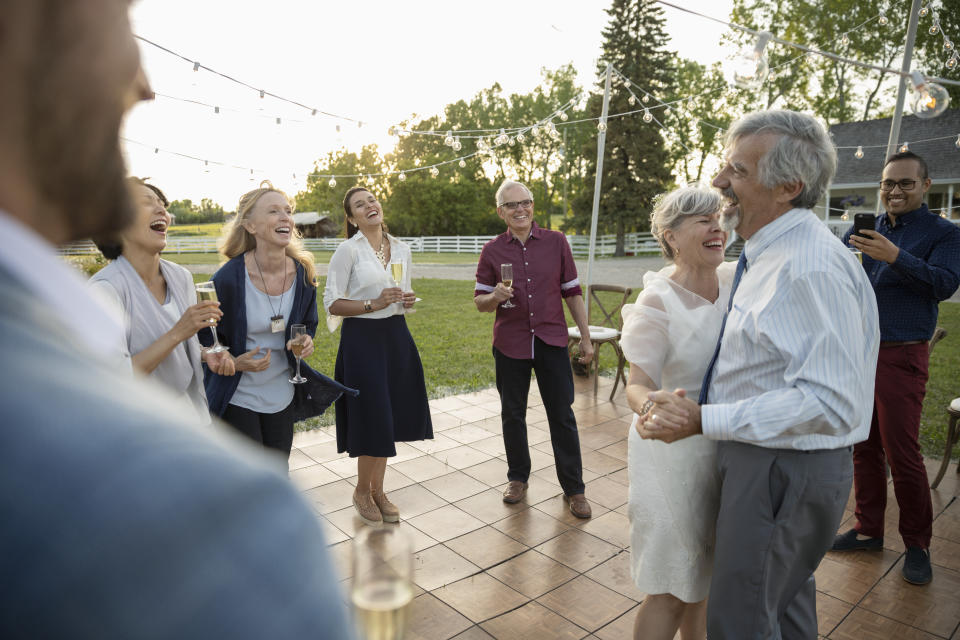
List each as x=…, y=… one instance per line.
x=487, y=569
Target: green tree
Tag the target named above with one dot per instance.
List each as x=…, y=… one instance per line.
x=187, y=212
x=636, y=162
x=323, y=197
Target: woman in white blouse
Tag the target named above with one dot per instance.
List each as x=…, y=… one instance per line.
x=377, y=355
x=669, y=335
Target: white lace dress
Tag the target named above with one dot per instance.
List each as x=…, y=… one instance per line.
x=670, y=333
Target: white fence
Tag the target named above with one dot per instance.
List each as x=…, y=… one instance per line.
x=635, y=244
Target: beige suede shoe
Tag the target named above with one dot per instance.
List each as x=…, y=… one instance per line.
x=367, y=509
x=388, y=510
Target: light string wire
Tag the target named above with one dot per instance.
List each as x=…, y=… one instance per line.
x=810, y=50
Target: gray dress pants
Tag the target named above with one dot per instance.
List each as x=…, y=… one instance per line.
x=779, y=513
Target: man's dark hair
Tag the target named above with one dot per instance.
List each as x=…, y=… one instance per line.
x=909, y=155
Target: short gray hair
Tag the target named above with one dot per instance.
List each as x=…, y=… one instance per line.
x=507, y=184
x=802, y=153
x=669, y=210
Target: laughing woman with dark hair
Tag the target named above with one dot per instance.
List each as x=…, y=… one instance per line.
x=377, y=355
x=158, y=301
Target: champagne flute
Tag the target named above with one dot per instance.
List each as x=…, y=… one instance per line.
x=506, y=274
x=297, y=333
x=382, y=590
x=396, y=272
x=207, y=291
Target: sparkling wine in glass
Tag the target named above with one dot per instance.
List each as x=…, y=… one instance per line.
x=506, y=274
x=382, y=590
x=396, y=272
x=207, y=291
x=297, y=334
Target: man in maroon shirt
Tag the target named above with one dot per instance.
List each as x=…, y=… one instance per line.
x=532, y=335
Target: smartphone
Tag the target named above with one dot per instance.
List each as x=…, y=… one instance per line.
x=863, y=221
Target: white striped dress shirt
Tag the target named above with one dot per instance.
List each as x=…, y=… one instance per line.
x=799, y=352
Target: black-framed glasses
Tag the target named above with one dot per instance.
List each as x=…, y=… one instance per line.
x=526, y=204
x=905, y=185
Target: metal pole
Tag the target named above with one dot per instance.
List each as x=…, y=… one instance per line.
x=601, y=141
x=902, y=86
x=566, y=171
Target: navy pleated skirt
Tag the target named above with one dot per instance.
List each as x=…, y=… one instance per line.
x=380, y=359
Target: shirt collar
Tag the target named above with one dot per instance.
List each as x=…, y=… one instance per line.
x=35, y=263
x=535, y=232
x=906, y=218
x=769, y=232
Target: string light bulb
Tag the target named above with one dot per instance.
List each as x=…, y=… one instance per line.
x=929, y=99
x=513, y=141
x=332, y=182
x=952, y=62
x=196, y=66
x=631, y=100
x=502, y=138
x=749, y=70
x=535, y=129
x=845, y=40
x=948, y=45
x=521, y=138
x=457, y=144
x=905, y=147
x=934, y=29
x=858, y=154
x=448, y=139
x=646, y=98
x=844, y=216
x=262, y=93
x=462, y=163
x=882, y=19
x=402, y=177
x=667, y=111
x=601, y=126
x=564, y=116
x=434, y=172
x=924, y=12
x=647, y=116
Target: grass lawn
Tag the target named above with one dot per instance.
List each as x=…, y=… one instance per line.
x=323, y=257
x=454, y=342
x=206, y=229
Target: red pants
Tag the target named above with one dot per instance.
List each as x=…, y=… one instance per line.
x=894, y=431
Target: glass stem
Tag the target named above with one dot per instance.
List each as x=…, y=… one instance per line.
x=298, y=368
x=216, y=343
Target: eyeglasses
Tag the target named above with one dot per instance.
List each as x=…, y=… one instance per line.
x=526, y=204
x=905, y=185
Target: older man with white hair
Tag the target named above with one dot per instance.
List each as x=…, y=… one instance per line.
x=790, y=386
x=530, y=334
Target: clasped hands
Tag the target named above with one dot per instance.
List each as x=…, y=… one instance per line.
x=225, y=364
x=672, y=417
x=395, y=294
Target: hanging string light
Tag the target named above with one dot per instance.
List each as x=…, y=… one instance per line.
x=929, y=99
x=462, y=163
x=882, y=19
x=434, y=172
x=647, y=116
x=749, y=70
x=457, y=145
x=332, y=183
x=845, y=40
x=448, y=139
x=601, y=126
x=402, y=177
x=631, y=100
x=858, y=154
x=905, y=147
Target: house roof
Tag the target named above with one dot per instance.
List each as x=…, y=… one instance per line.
x=308, y=217
x=942, y=156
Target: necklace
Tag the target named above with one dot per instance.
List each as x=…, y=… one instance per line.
x=277, y=324
x=381, y=256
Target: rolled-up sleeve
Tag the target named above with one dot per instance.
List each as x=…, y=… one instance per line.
x=569, y=281
x=338, y=282
x=486, y=274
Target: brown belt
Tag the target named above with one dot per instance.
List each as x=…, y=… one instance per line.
x=901, y=343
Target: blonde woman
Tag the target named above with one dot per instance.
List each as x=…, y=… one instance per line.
x=669, y=335
x=377, y=354
x=265, y=287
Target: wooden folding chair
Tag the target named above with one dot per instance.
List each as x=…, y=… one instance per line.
x=606, y=331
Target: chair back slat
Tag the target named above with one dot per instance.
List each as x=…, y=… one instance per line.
x=611, y=318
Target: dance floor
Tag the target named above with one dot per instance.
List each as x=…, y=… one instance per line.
x=486, y=569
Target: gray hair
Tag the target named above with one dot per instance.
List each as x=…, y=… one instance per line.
x=507, y=184
x=802, y=153
x=669, y=210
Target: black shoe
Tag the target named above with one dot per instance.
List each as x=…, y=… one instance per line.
x=848, y=542
x=916, y=566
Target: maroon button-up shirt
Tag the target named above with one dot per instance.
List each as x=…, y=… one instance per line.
x=543, y=274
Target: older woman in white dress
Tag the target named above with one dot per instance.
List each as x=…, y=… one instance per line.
x=669, y=335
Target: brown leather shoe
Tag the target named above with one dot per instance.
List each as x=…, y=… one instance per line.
x=388, y=510
x=514, y=492
x=579, y=505
x=367, y=509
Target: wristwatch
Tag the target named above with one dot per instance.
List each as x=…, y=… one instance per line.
x=367, y=305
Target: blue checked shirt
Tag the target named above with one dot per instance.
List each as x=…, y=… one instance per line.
x=926, y=271
x=799, y=350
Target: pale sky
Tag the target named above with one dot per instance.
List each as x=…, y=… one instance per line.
x=372, y=60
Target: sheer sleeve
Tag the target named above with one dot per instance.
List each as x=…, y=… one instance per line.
x=644, y=338
x=338, y=281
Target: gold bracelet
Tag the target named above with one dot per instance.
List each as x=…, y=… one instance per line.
x=645, y=409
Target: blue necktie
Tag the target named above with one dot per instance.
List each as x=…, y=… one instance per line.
x=741, y=267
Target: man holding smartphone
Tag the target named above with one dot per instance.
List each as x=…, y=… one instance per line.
x=912, y=258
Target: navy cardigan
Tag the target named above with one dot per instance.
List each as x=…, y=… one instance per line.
x=310, y=398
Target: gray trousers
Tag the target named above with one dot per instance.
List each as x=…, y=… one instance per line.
x=779, y=513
